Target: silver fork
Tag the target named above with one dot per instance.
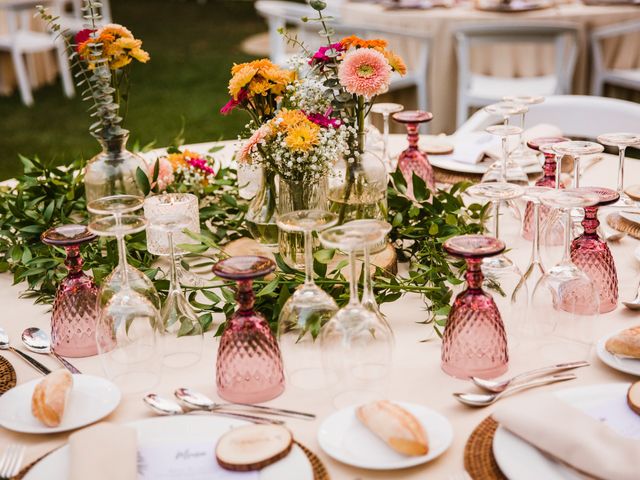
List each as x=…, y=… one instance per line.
x=11, y=460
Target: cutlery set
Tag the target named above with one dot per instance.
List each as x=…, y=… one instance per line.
x=495, y=390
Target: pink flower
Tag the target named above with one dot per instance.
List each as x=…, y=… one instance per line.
x=321, y=55
x=201, y=164
x=365, y=72
x=325, y=120
x=244, y=154
x=82, y=36
x=234, y=102
x=165, y=174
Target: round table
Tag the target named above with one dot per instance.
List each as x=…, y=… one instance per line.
x=416, y=369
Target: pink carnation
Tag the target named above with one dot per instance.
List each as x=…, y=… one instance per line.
x=234, y=102
x=325, y=120
x=200, y=164
x=321, y=55
x=165, y=174
x=365, y=72
x=244, y=154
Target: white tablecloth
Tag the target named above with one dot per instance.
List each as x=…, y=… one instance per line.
x=416, y=378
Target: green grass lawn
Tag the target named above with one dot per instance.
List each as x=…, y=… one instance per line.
x=192, y=47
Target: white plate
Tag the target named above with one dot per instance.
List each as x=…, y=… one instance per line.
x=187, y=428
x=344, y=438
x=636, y=253
x=91, y=399
x=479, y=168
x=626, y=365
x=519, y=460
x=631, y=217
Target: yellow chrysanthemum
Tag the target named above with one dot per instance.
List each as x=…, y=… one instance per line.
x=259, y=86
x=240, y=79
x=302, y=137
x=288, y=119
x=396, y=62
x=116, y=30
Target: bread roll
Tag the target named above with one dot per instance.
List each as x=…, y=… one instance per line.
x=50, y=397
x=397, y=427
x=633, y=397
x=625, y=343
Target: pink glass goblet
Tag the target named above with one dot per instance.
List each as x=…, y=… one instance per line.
x=475, y=339
x=592, y=255
x=548, y=179
x=413, y=160
x=75, y=313
x=249, y=365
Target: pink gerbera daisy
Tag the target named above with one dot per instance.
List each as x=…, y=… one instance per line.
x=365, y=72
x=244, y=154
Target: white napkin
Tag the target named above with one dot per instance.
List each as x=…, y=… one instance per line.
x=566, y=433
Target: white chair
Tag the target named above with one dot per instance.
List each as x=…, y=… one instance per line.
x=72, y=17
x=475, y=90
x=21, y=41
x=627, y=78
x=579, y=116
x=279, y=14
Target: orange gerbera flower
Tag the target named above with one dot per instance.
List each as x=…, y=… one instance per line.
x=396, y=62
x=357, y=42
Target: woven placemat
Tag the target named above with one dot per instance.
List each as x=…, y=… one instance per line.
x=7, y=375
x=450, y=177
x=319, y=470
x=478, y=452
x=623, y=225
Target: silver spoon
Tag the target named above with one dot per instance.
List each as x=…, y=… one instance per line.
x=635, y=303
x=485, y=399
x=200, y=401
x=4, y=345
x=497, y=386
x=38, y=341
x=166, y=406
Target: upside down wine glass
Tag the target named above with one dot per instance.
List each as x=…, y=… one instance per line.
x=307, y=309
x=249, y=364
x=356, y=344
x=577, y=149
x=622, y=141
x=522, y=153
x=475, y=341
x=386, y=109
x=75, y=309
x=592, y=255
x=413, y=160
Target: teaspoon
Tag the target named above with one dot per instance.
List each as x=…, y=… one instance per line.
x=38, y=341
x=166, y=406
x=200, y=401
x=485, y=399
x=635, y=303
x=4, y=345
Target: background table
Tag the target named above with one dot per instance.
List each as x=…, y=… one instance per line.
x=416, y=370
x=496, y=60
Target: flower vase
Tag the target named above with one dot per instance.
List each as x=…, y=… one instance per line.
x=113, y=170
x=261, y=215
x=294, y=196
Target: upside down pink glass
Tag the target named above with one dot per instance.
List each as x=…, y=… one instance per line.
x=592, y=255
x=475, y=339
x=75, y=313
x=249, y=364
x=413, y=160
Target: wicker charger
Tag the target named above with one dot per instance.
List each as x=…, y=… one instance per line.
x=623, y=225
x=7, y=375
x=478, y=452
x=319, y=470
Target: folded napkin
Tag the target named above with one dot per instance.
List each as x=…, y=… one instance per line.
x=104, y=452
x=566, y=433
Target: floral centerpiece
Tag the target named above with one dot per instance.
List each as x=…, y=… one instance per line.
x=104, y=58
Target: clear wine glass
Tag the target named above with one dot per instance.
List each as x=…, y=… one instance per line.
x=577, y=149
x=505, y=170
x=413, y=160
x=356, y=344
x=249, y=363
x=118, y=206
x=128, y=325
x=475, y=341
x=522, y=153
x=307, y=309
x=386, y=109
x=592, y=255
x=622, y=141
x=75, y=309
x=565, y=300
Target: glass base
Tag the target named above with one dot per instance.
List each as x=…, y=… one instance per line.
x=499, y=262
x=251, y=397
x=465, y=373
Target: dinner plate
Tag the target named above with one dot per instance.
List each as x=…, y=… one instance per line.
x=185, y=428
x=631, y=217
x=91, y=399
x=343, y=437
x=519, y=460
x=636, y=253
x=441, y=161
x=626, y=365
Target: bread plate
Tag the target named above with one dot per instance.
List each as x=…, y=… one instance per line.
x=622, y=364
x=91, y=399
x=183, y=428
x=343, y=437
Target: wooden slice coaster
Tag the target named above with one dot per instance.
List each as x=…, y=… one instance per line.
x=623, y=225
x=450, y=177
x=7, y=375
x=478, y=452
x=633, y=192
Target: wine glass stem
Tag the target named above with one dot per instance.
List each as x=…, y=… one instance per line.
x=353, y=280
x=558, y=170
x=496, y=220
x=122, y=253
x=173, y=272
x=621, y=154
x=385, y=153
x=576, y=171
x=308, y=258
x=367, y=294
x=505, y=154
x=522, y=145
x=535, y=248
x=568, y=225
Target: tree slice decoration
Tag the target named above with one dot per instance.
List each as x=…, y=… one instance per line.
x=247, y=246
x=633, y=397
x=253, y=447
